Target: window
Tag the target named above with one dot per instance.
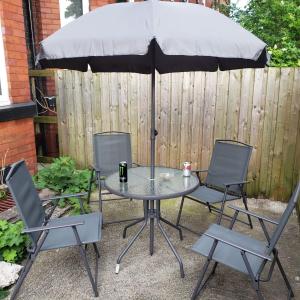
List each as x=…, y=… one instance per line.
x=71, y=10
x=4, y=98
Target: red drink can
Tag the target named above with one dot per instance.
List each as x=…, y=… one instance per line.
x=187, y=169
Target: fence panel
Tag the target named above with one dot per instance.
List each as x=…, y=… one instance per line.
x=260, y=107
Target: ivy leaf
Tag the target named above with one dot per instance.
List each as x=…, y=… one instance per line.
x=9, y=255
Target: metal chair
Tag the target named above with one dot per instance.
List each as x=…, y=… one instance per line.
x=243, y=253
x=225, y=180
x=109, y=148
x=45, y=233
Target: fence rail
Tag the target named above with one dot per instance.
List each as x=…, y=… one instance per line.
x=260, y=107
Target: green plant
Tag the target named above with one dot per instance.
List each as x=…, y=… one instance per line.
x=12, y=242
x=63, y=177
x=277, y=23
x=3, y=293
x=3, y=187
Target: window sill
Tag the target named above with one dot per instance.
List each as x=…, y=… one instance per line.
x=17, y=111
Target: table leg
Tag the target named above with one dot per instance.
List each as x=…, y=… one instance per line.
x=131, y=224
x=152, y=216
x=172, y=248
x=168, y=222
x=146, y=213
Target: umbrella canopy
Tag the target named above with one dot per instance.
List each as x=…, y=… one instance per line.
x=140, y=36
x=143, y=36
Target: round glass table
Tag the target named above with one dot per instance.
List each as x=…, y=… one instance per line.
x=167, y=183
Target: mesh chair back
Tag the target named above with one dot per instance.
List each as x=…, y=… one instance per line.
x=284, y=218
x=229, y=163
x=109, y=149
x=27, y=201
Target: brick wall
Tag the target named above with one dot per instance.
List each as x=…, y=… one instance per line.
x=97, y=3
x=15, y=49
x=17, y=136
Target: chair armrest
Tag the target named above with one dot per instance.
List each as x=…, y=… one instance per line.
x=48, y=227
x=240, y=247
x=63, y=196
x=200, y=171
x=136, y=164
x=253, y=214
x=228, y=184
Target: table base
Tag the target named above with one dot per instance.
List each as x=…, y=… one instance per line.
x=151, y=213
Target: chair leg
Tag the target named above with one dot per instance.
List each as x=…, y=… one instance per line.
x=290, y=290
x=96, y=250
x=90, y=185
x=180, y=211
x=88, y=269
x=254, y=281
x=246, y=207
x=23, y=274
x=199, y=285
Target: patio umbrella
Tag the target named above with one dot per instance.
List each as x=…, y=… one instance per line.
x=142, y=37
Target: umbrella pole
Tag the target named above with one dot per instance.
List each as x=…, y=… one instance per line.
x=153, y=131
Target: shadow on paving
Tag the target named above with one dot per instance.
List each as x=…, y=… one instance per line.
x=60, y=274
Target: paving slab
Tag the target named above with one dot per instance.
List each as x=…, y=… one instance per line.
x=60, y=274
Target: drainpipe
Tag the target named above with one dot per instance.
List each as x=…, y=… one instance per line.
x=31, y=29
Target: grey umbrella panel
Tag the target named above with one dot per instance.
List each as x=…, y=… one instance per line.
x=169, y=36
x=143, y=36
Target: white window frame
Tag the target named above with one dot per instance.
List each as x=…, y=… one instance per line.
x=4, y=96
x=62, y=8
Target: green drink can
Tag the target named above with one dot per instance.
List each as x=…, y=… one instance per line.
x=123, y=171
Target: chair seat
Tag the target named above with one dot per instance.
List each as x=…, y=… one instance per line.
x=89, y=232
x=228, y=255
x=208, y=195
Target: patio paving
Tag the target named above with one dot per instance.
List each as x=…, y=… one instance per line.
x=60, y=274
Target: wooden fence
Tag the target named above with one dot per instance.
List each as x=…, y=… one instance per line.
x=260, y=107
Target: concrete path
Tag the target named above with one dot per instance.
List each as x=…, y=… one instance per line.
x=60, y=274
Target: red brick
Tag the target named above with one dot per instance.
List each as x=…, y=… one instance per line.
x=18, y=137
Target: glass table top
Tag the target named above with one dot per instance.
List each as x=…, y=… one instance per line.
x=168, y=183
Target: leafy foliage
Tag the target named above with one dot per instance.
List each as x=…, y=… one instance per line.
x=3, y=293
x=74, y=9
x=277, y=23
x=63, y=177
x=12, y=241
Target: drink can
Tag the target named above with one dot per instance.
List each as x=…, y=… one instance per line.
x=187, y=167
x=123, y=171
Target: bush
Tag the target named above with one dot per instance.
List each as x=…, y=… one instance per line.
x=277, y=23
x=63, y=177
x=12, y=242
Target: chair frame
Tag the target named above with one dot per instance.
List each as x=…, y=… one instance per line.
x=212, y=208
x=270, y=256
x=35, y=247
x=44, y=230
x=99, y=179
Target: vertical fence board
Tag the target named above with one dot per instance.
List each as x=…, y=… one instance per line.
x=87, y=106
x=163, y=140
x=276, y=188
x=259, y=107
x=61, y=113
x=221, y=105
x=268, y=129
x=289, y=138
x=208, y=120
x=247, y=82
x=256, y=127
x=186, y=118
x=233, y=105
x=176, y=92
x=198, y=112
x=133, y=116
x=123, y=99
